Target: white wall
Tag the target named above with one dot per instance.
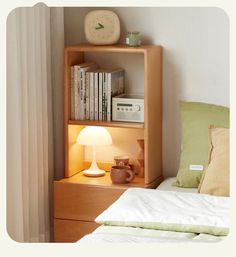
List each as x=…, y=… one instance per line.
x=195, y=61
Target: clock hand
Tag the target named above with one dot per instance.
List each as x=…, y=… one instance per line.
x=100, y=26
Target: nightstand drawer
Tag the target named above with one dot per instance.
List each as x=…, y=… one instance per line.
x=72, y=230
x=82, y=202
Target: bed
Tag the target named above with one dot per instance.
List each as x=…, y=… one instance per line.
x=165, y=214
x=179, y=214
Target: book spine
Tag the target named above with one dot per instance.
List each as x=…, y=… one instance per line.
x=91, y=95
x=82, y=95
x=109, y=99
x=96, y=95
x=72, y=94
x=105, y=96
x=77, y=92
x=87, y=86
x=100, y=95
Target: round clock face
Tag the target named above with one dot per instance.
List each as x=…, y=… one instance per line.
x=102, y=27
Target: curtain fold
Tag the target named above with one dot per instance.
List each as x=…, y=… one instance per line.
x=30, y=122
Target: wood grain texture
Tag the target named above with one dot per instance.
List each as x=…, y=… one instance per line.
x=112, y=48
x=114, y=124
x=153, y=113
x=69, y=231
x=75, y=151
x=83, y=198
x=81, y=201
x=105, y=181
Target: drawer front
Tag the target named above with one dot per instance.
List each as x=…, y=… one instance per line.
x=66, y=231
x=82, y=202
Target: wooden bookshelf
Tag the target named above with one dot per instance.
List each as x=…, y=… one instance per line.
x=152, y=126
x=79, y=199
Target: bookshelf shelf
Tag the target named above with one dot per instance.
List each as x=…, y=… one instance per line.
x=116, y=124
x=114, y=48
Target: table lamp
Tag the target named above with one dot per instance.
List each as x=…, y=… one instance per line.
x=94, y=136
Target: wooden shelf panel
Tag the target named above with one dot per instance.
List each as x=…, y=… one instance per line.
x=115, y=124
x=113, y=48
x=105, y=181
x=101, y=181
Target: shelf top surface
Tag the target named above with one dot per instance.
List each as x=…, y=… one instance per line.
x=111, y=48
x=80, y=178
x=115, y=124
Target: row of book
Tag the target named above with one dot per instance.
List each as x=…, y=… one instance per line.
x=92, y=90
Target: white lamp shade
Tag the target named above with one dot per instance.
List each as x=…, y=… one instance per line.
x=94, y=136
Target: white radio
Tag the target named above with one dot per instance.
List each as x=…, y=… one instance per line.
x=128, y=108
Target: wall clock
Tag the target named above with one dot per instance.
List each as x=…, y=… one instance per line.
x=102, y=27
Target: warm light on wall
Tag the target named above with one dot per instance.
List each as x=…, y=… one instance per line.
x=94, y=136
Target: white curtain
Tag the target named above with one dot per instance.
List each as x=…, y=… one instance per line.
x=30, y=81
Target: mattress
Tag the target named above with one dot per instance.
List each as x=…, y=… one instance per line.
x=167, y=186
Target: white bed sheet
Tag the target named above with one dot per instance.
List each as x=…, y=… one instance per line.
x=166, y=185
x=120, y=234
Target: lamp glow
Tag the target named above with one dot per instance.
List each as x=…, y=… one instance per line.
x=94, y=136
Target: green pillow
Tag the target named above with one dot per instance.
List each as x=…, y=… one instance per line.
x=196, y=118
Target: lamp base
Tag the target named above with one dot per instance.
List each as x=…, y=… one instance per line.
x=94, y=173
x=94, y=170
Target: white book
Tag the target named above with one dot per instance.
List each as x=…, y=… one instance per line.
x=104, y=98
x=72, y=94
x=91, y=95
x=100, y=94
x=77, y=88
x=83, y=71
x=115, y=86
x=87, y=93
x=76, y=92
x=96, y=95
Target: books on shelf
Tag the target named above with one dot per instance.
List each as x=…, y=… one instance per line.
x=72, y=93
x=91, y=95
x=77, y=89
x=96, y=95
x=87, y=88
x=92, y=90
x=84, y=88
x=101, y=73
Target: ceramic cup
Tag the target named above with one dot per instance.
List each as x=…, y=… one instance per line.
x=121, y=160
x=121, y=174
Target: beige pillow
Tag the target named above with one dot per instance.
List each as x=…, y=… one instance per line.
x=215, y=180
